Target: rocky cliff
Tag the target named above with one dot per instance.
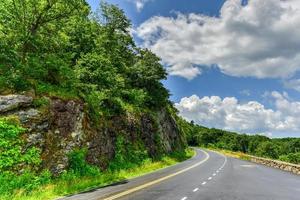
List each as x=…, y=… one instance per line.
x=58, y=127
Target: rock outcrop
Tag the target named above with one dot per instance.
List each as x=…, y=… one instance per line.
x=11, y=102
x=59, y=127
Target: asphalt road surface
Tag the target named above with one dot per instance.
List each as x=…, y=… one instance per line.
x=207, y=176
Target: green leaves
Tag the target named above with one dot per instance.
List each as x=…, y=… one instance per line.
x=267, y=149
x=13, y=155
x=17, y=162
x=34, y=30
x=114, y=18
x=128, y=155
x=79, y=166
x=291, y=157
x=58, y=44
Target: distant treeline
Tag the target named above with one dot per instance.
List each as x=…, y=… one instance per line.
x=285, y=149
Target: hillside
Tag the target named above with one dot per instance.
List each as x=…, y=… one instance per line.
x=284, y=149
x=78, y=98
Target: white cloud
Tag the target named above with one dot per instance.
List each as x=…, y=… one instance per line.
x=260, y=39
x=249, y=117
x=139, y=4
x=292, y=84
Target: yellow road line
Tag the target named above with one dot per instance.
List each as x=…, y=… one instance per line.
x=132, y=190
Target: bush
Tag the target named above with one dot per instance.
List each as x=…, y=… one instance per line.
x=12, y=155
x=182, y=155
x=267, y=149
x=40, y=102
x=78, y=165
x=291, y=157
x=17, y=165
x=27, y=181
x=127, y=155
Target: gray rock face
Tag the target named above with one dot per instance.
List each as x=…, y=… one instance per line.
x=65, y=133
x=170, y=138
x=13, y=102
x=26, y=116
x=56, y=129
x=63, y=126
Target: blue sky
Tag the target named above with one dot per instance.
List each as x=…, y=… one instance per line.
x=232, y=64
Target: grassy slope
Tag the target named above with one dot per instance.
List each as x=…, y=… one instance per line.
x=238, y=155
x=71, y=185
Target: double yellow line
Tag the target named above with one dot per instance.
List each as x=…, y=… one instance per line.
x=132, y=190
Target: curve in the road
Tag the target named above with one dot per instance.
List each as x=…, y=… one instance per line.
x=132, y=190
x=218, y=177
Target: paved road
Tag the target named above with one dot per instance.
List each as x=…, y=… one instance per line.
x=207, y=176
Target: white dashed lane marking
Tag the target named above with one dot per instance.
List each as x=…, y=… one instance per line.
x=210, y=178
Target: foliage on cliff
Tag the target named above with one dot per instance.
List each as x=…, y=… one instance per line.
x=20, y=180
x=61, y=48
x=285, y=149
x=12, y=155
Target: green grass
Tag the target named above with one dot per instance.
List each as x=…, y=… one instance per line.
x=233, y=154
x=56, y=91
x=70, y=183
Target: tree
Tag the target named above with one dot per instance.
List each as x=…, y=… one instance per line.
x=267, y=149
x=32, y=23
x=254, y=142
x=34, y=30
x=146, y=73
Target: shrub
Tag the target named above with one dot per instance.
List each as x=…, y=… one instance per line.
x=27, y=181
x=267, y=149
x=79, y=166
x=182, y=155
x=17, y=165
x=291, y=157
x=40, y=102
x=13, y=156
x=127, y=155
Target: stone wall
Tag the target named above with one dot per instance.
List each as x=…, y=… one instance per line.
x=277, y=164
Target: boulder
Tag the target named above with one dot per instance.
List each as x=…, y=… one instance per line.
x=13, y=102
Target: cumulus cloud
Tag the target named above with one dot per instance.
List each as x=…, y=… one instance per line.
x=260, y=39
x=249, y=117
x=139, y=4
